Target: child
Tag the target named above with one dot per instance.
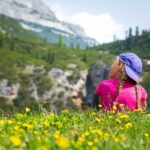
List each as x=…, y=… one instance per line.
x=121, y=91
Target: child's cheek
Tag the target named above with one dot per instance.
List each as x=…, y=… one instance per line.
x=111, y=73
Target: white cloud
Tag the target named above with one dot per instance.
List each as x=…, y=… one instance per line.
x=101, y=27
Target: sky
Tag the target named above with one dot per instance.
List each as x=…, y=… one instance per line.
x=104, y=19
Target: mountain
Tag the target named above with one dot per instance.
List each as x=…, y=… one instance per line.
x=11, y=28
x=36, y=16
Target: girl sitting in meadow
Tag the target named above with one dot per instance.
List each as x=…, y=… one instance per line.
x=121, y=91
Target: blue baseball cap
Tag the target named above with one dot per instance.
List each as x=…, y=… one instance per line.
x=133, y=65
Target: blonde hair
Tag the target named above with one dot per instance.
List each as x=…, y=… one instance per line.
x=121, y=83
x=141, y=105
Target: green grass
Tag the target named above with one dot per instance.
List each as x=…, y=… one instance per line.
x=84, y=130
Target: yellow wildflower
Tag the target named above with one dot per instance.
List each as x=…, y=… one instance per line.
x=118, y=121
x=146, y=134
x=148, y=115
x=124, y=116
x=100, y=132
x=97, y=131
x=62, y=142
x=15, y=140
x=85, y=134
x=119, y=113
x=56, y=135
x=116, y=139
x=110, y=117
x=97, y=119
x=93, y=131
x=128, y=125
x=35, y=132
x=121, y=105
x=28, y=126
x=93, y=113
x=80, y=140
x=9, y=121
x=46, y=132
x=46, y=124
x=1, y=122
x=114, y=106
x=90, y=143
x=73, y=133
x=27, y=109
x=16, y=127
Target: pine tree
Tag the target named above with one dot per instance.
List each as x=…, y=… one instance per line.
x=61, y=40
x=84, y=58
x=130, y=32
x=137, y=31
x=50, y=57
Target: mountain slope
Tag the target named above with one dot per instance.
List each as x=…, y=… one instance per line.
x=12, y=28
x=31, y=13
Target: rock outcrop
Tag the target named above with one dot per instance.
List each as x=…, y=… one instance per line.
x=8, y=90
x=56, y=86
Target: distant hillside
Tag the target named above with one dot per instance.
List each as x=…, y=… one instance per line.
x=139, y=44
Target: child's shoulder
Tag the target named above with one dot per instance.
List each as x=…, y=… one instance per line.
x=106, y=85
x=110, y=82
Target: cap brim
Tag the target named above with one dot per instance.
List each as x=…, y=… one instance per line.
x=131, y=73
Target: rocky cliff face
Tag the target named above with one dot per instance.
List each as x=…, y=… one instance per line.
x=55, y=87
x=7, y=90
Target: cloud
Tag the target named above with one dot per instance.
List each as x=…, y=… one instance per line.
x=102, y=27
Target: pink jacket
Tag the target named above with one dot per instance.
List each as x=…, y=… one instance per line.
x=108, y=90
